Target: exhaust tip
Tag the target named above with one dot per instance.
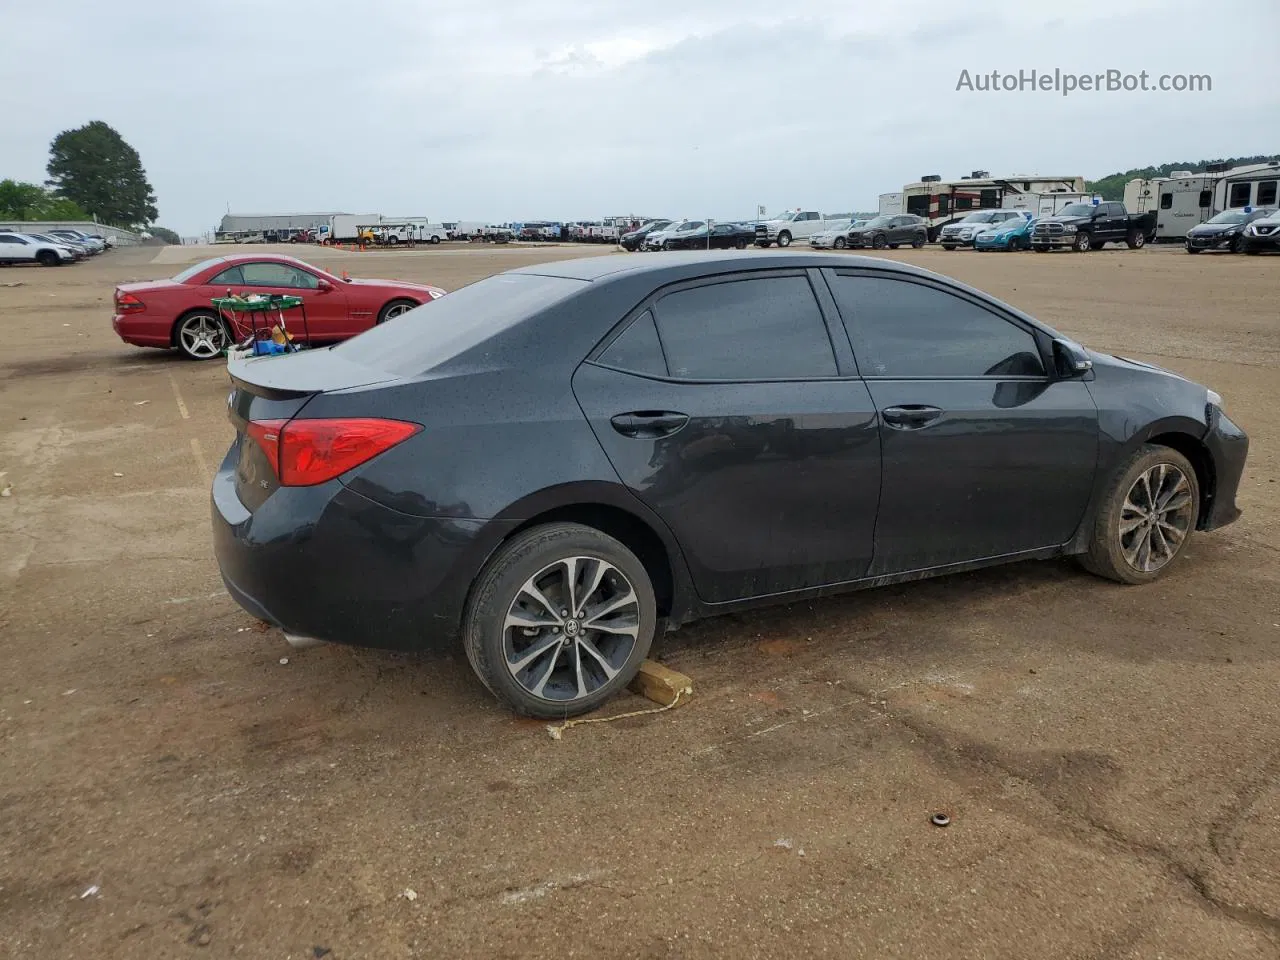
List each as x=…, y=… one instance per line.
x=301, y=643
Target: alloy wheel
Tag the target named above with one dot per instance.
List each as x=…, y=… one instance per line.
x=202, y=336
x=571, y=629
x=1155, y=518
x=395, y=310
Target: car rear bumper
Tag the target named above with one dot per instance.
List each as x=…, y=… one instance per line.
x=1229, y=447
x=140, y=331
x=329, y=563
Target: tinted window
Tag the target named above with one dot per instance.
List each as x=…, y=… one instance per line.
x=1205, y=198
x=904, y=329
x=766, y=328
x=277, y=275
x=1266, y=193
x=11, y=240
x=200, y=267
x=461, y=320
x=637, y=349
x=232, y=276
x=1239, y=194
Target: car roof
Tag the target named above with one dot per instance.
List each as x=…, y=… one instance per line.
x=618, y=265
x=233, y=258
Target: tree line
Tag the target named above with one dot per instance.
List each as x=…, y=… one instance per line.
x=1112, y=187
x=93, y=174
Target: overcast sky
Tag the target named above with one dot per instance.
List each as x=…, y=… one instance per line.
x=564, y=109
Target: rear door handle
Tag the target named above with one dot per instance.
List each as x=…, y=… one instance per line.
x=649, y=424
x=910, y=416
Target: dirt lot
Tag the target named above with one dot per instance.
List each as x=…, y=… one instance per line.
x=1110, y=755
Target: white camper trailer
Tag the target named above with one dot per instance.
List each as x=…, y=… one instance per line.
x=1181, y=201
x=891, y=205
x=1254, y=185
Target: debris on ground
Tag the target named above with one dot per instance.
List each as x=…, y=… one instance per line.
x=783, y=843
x=940, y=820
x=91, y=892
x=284, y=661
x=141, y=403
x=410, y=894
x=660, y=684
x=117, y=474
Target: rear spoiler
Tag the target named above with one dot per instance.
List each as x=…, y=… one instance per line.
x=301, y=374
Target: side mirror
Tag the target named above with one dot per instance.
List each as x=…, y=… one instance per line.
x=1071, y=359
x=323, y=285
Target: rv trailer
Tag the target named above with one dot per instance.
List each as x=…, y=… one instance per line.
x=1181, y=201
x=941, y=202
x=1253, y=185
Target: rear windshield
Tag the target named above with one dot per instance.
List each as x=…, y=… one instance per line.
x=192, y=270
x=435, y=332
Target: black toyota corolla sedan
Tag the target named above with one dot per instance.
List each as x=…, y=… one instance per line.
x=570, y=454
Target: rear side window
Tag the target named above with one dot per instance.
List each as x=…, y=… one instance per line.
x=637, y=349
x=1166, y=201
x=1267, y=193
x=232, y=276
x=905, y=330
x=767, y=328
x=416, y=342
x=1239, y=195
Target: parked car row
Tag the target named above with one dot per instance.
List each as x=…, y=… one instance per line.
x=1236, y=231
x=49, y=249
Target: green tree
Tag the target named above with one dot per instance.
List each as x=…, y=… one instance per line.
x=167, y=235
x=94, y=167
x=30, y=201
x=1112, y=187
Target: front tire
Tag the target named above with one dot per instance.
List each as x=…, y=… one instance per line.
x=948, y=246
x=917, y=243
x=784, y=239
x=839, y=243
x=1237, y=245
x=1191, y=249
x=740, y=244
x=1148, y=513
x=47, y=258
x=877, y=242
x=394, y=309
x=1082, y=243
x=559, y=620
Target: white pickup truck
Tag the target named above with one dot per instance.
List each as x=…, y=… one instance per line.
x=793, y=225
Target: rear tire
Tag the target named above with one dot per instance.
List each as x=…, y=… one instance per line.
x=559, y=666
x=201, y=335
x=1157, y=482
x=1136, y=240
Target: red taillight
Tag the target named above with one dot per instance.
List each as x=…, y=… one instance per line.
x=306, y=452
x=128, y=303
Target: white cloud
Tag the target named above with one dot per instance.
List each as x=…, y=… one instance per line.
x=567, y=109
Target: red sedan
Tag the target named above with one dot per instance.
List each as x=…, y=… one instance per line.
x=177, y=312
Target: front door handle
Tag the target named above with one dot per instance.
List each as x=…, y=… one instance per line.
x=910, y=416
x=649, y=424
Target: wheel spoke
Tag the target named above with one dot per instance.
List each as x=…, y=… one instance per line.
x=534, y=651
x=541, y=685
x=1171, y=532
x=605, y=665
x=571, y=583
x=621, y=629
x=1144, y=550
x=522, y=618
x=597, y=576
x=531, y=590
x=577, y=663
x=1160, y=546
x=1175, y=502
x=591, y=621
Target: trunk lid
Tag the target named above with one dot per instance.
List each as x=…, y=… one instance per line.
x=273, y=390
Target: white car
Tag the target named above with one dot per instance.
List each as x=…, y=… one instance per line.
x=796, y=225
x=833, y=238
x=20, y=248
x=673, y=235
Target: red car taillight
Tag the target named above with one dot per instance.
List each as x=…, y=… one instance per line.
x=128, y=303
x=306, y=452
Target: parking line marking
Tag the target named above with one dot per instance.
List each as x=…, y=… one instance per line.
x=177, y=395
x=201, y=463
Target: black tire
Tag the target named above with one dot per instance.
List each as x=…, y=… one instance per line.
x=948, y=246
x=1237, y=244
x=1083, y=243
x=435, y=239
x=47, y=258
x=666, y=244
x=1136, y=240
x=877, y=242
x=395, y=308
x=1105, y=556
x=210, y=343
x=393, y=241
x=740, y=244
x=784, y=238
x=840, y=243
x=917, y=243
x=499, y=587
x=1191, y=249
x=894, y=246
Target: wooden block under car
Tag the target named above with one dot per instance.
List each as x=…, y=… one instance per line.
x=660, y=684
